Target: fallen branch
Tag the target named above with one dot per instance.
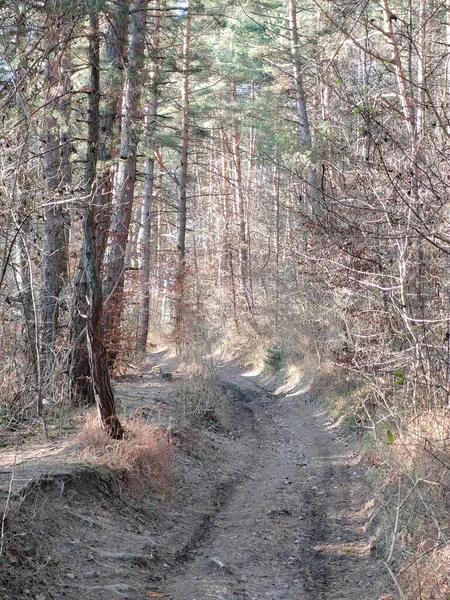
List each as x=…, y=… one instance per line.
x=396, y=581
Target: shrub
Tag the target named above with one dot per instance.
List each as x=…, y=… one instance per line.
x=274, y=360
x=142, y=460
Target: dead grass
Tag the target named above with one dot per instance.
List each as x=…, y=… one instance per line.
x=413, y=481
x=421, y=457
x=409, y=471
x=426, y=437
x=200, y=401
x=142, y=460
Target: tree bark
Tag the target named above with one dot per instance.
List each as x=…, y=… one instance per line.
x=125, y=179
x=227, y=216
x=57, y=176
x=104, y=395
x=182, y=182
x=244, y=258
x=149, y=176
x=312, y=179
x=25, y=277
x=115, y=55
x=82, y=392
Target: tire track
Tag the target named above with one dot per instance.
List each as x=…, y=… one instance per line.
x=294, y=529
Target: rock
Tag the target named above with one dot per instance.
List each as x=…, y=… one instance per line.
x=218, y=565
x=279, y=512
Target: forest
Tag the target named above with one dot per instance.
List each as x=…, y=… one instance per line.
x=265, y=179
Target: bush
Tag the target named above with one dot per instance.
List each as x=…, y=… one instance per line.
x=142, y=460
x=200, y=401
x=274, y=360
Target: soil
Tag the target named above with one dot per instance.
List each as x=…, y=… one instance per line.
x=268, y=503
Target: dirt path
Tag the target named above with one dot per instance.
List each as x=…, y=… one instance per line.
x=292, y=529
x=271, y=508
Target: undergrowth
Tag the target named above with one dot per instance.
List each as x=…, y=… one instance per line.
x=142, y=461
x=408, y=460
x=274, y=360
x=415, y=503
x=200, y=400
x=408, y=468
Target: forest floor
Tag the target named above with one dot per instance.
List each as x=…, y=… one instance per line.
x=272, y=505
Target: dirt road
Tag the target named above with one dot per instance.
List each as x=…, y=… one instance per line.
x=273, y=507
x=291, y=527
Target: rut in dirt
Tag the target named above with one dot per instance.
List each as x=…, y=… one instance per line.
x=291, y=527
x=271, y=505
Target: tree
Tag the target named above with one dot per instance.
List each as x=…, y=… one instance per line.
x=57, y=176
x=125, y=180
x=305, y=136
x=98, y=361
x=81, y=386
x=149, y=179
x=183, y=180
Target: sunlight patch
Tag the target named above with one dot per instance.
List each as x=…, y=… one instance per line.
x=254, y=373
x=344, y=549
x=299, y=391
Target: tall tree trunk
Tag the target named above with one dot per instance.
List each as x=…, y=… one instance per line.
x=112, y=86
x=82, y=392
x=446, y=91
x=24, y=277
x=312, y=178
x=227, y=216
x=125, y=179
x=182, y=181
x=276, y=192
x=104, y=395
x=149, y=176
x=57, y=176
x=402, y=79
x=244, y=258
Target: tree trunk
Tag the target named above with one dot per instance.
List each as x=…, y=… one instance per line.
x=244, y=258
x=57, y=176
x=112, y=86
x=312, y=179
x=149, y=175
x=125, y=177
x=104, y=395
x=82, y=392
x=182, y=182
x=24, y=277
x=227, y=216
x=447, y=68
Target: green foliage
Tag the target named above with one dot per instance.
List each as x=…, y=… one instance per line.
x=352, y=422
x=389, y=434
x=274, y=360
x=400, y=377
x=5, y=416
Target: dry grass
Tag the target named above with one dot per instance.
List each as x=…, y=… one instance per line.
x=425, y=436
x=421, y=456
x=142, y=460
x=200, y=401
x=414, y=483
